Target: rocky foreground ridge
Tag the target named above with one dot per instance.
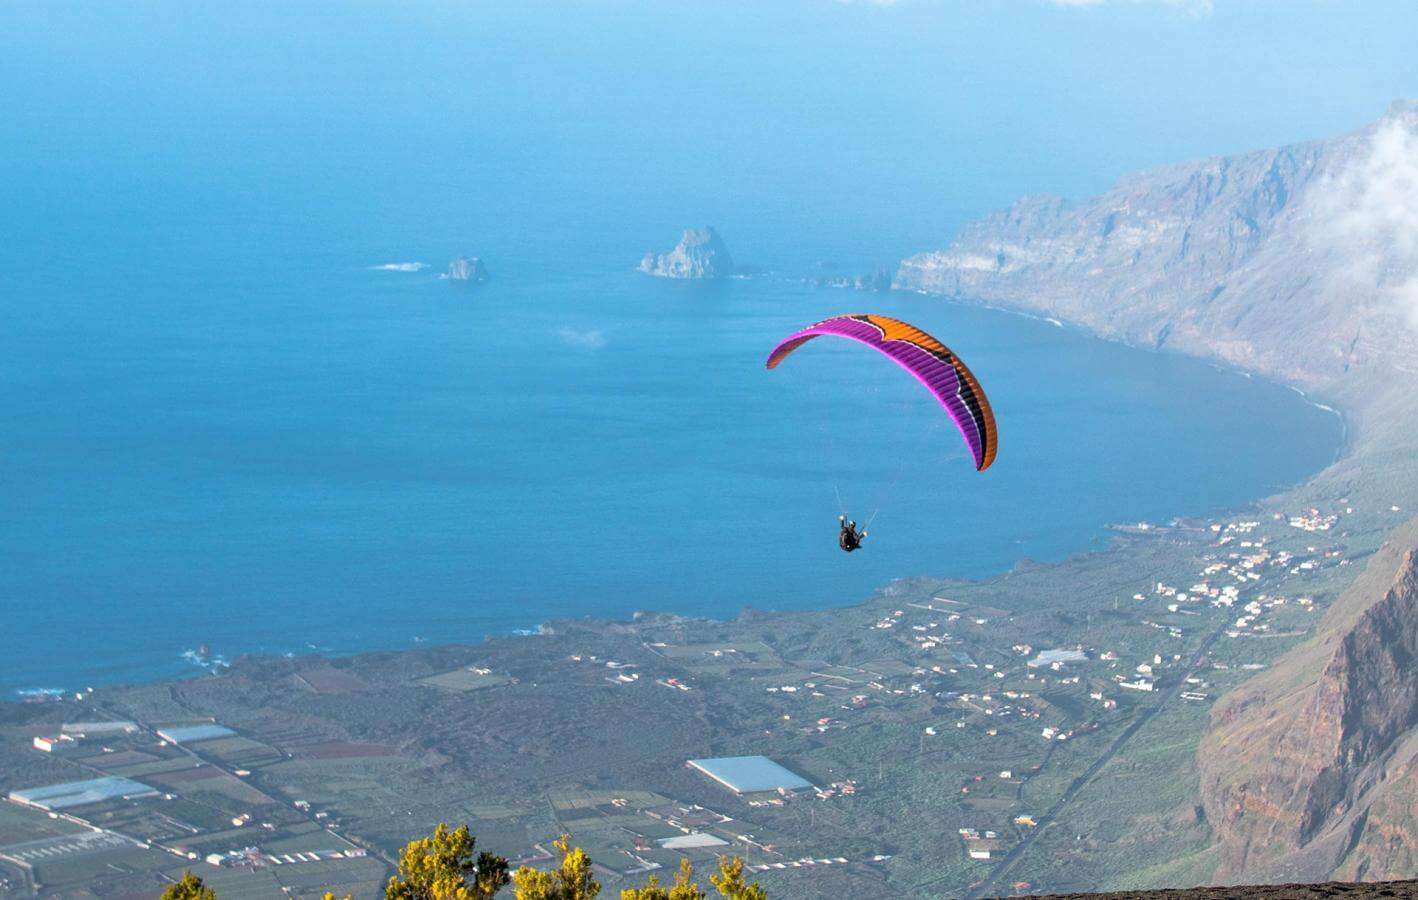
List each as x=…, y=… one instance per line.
x=1372, y=891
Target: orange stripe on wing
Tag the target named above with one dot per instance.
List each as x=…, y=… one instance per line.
x=896, y=330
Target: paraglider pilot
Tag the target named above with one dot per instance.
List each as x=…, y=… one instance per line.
x=849, y=538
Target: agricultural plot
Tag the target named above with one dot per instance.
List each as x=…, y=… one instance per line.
x=354, y=787
x=72, y=862
x=330, y=680
x=720, y=656
x=239, y=752
x=569, y=800
x=244, y=883
x=361, y=878
x=465, y=679
x=19, y=824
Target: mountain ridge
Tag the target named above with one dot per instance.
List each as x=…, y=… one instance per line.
x=1299, y=263
x=1278, y=261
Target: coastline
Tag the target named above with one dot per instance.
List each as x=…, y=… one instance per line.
x=218, y=663
x=924, y=726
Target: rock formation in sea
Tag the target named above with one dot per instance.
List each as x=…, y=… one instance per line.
x=467, y=268
x=879, y=280
x=700, y=253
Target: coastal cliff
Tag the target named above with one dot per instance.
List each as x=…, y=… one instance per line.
x=1299, y=262
x=700, y=253
x=1308, y=771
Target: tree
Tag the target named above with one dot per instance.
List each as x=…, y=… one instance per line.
x=189, y=888
x=441, y=867
x=730, y=883
x=571, y=881
x=684, y=887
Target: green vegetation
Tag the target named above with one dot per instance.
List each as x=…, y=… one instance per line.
x=683, y=888
x=441, y=867
x=189, y=888
x=730, y=882
x=572, y=880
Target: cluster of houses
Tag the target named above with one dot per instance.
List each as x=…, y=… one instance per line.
x=1246, y=566
x=845, y=788
x=1313, y=520
x=979, y=844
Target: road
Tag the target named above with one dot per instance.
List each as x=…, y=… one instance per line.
x=1051, y=816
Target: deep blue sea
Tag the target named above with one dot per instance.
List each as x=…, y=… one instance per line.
x=221, y=423
x=287, y=454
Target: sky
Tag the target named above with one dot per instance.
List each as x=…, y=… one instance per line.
x=900, y=119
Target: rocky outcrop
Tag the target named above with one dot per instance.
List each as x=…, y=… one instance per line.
x=880, y=280
x=1311, y=770
x=467, y=268
x=701, y=253
x=1299, y=262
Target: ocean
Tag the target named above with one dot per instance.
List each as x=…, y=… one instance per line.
x=335, y=455
x=237, y=413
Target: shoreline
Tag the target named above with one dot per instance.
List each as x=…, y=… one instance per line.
x=219, y=662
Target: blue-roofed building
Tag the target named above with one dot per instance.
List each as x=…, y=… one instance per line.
x=750, y=774
x=191, y=734
x=81, y=793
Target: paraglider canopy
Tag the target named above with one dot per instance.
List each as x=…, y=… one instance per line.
x=930, y=361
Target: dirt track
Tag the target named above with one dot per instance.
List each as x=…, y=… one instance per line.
x=1401, y=890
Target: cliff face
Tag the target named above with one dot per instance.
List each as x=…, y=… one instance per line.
x=1299, y=262
x=701, y=253
x=1311, y=770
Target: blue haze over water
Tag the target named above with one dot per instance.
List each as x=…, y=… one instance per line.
x=222, y=425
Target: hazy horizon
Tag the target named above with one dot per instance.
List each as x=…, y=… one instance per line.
x=882, y=126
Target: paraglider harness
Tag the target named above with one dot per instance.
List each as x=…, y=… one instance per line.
x=849, y=538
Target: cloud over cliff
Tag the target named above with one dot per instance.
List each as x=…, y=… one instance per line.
x=1368, y=211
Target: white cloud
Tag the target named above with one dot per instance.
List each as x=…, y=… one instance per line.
x=1367, y=214
x=593, y=339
